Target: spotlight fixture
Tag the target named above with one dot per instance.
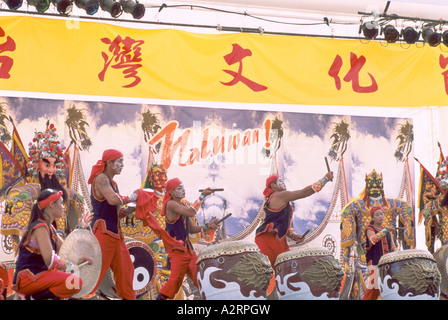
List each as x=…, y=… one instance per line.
x=391, y=34
x=114, y=8
x=370, y=30
x=64, y=7
x=136, y=9
x=41, y=5
x=410, y=35
x=445, y=38
x=431, y=37
x=14, y=4
x=90, y=6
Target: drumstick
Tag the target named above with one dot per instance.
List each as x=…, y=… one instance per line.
x=223, y=218
x=89, y=261
x=306, y=232
x=213, y=190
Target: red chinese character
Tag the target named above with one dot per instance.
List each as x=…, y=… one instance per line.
x=236, y=56
x=352, y=75
x=6, y=62
x=125, y=54
x=442, y=63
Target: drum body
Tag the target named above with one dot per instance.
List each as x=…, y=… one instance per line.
x=441, y=257
x=409, y=274
x=144, y=262
x=234, y=270
x=307, y=274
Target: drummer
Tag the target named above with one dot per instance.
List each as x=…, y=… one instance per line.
x=177, y=213
x=379, y=241
x=40, y=273
x=108, y=208
x=271, y=234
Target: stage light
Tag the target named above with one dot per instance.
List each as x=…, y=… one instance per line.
x=90, y=6
x=41, y=5
x=410, y=35
x=445, y=38
x=370, y=30
x=136, y=9
x=64, y=7
x=391, y=34
x=431, y=37
x=14, y=4
x=114, y=8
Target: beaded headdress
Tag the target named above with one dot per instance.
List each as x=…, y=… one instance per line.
x=46, y=144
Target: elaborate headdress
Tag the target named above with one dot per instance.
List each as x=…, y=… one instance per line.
x=46, y=144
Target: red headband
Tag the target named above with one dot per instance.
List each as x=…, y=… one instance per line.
x=45, y=203
x=170, y=185
x=267, y=191
x=372, y=211
x=108, y=155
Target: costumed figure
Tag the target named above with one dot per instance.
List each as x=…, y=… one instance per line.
x=271, y=235
x=40, y=273
x=46, y=168
x=355, y=219
x=434, y=213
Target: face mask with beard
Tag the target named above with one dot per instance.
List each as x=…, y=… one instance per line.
x=51, y=182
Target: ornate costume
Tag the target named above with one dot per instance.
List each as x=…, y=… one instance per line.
x=356, y=218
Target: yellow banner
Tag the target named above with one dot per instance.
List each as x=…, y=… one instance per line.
x=88, y=58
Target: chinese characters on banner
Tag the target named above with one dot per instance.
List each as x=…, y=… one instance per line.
x=6, y=62
x=125, y=54
x=356, y=64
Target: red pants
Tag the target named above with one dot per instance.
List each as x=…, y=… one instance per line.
x=182, y=263
x=61, y=284
x=116, y=255
x=270, y=245
x=371, y=294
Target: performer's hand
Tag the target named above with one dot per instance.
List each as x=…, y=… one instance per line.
x=329, y=175
x=212, y=224
x=85, y=219
x=390, y=228
x=207, y=192
x=297, y=237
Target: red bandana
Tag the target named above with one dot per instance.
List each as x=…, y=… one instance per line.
x=108, y=155
x=170, y=185
x=46, y=202
x=267, y=191
x=372, y=211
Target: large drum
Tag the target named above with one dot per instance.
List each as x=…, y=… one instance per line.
x=409, y=274
x=234, y=270
x=144, y=262
x=307, y=274
x=441, y=257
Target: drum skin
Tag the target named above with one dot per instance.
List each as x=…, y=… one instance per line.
x=409, y=274
x=441, y=257
x=234, y=270
x=308, y=274
x=144, y=262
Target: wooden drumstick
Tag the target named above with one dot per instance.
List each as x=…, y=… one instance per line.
x=213, y=190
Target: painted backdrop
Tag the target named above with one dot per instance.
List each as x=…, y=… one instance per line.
x=231, y=149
